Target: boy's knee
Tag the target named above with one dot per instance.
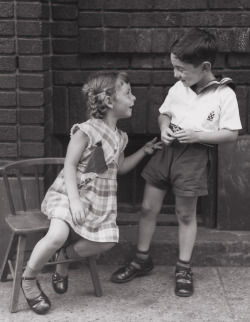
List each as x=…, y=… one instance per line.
x=185, y=217
x=149, y=210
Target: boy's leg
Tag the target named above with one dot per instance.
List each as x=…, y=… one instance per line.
x=186, y=215
x=151, y=206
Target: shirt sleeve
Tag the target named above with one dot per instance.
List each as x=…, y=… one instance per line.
x=166, y=106
x=84, y=127
x=229, y=118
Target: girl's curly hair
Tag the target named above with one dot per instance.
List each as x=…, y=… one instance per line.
x=98, y=86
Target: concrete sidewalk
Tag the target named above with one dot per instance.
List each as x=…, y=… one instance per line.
x=221, y=294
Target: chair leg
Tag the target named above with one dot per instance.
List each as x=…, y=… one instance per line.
x=18, y=273
x=95, y=275
x=8, y=256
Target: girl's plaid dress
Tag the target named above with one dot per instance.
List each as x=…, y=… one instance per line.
x=97, y=191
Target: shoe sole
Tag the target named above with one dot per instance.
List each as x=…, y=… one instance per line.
x=131, y=277
x=183, y=295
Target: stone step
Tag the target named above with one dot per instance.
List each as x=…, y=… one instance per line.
x=213, y=247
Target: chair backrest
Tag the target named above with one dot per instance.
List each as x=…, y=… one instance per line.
x=39, y=173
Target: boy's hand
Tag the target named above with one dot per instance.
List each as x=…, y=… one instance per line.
x=151, y=146
x=77, y=211
x=186, y=136
x=167, y=136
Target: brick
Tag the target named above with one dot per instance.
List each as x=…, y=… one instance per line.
x=60, y=110
x=91, y=41
x=64, y=29
x=7, y=10
x=143, y=41
x=8, y=81
x=31, y=116
x=140, y=77
x=34, y=81
x=163, y=78
x=65, y=46
x=155, y=19
x=8, y=133
x=90, y=4
x=238, y=60
x=7, y=46
x=90, y=19
x=31, y=99
x=32, y=10
x=115, y=19
x=48, y=112
x=70, y=78
x=7, y=63
x=157, y=97
x=8, y=150
x=142, y=62
x=8, y=99
x=180, y=5
x=32, y=133
x=32, y=28
x=162, y=61
x=7, y=28
x=160, y=41
x=139, y=115
x=127, y=41
x=240, y=77
x=240, y=41
x=8, y=116
x=224, y=39
x=220, y=61
x=34, y=63
x=77, y=105
x=32, y=150
x=242, y=95
x=211, y=19
x=229, y=4
x=104, y=62
x=112, y=40
x=66, y=62
x=64, y=12
x=33, y=46
x=128, y=4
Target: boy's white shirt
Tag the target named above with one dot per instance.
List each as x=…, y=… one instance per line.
x=215, y=108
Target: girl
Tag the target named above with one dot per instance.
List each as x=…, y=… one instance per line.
x=83, y=197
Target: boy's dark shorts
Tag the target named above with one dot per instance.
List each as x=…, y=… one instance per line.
x=182, y=168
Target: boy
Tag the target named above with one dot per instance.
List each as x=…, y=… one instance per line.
x=199, y=111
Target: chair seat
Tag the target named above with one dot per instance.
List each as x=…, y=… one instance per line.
x=27, y=222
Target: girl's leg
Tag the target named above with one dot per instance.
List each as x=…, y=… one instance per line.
x=186, y=214
x=43, y=251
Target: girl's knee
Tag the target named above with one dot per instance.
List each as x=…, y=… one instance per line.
x=106, y=246
x=55, y=241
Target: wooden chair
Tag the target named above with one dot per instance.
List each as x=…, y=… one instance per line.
x=19, y=177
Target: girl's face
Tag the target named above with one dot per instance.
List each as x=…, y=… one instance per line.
x=187, y=73
x=123, y=101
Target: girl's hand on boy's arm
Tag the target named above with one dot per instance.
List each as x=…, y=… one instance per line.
x=151, y=146
x=77, y=211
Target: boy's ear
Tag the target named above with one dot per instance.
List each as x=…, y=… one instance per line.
x=108, y=101
x=206, y=66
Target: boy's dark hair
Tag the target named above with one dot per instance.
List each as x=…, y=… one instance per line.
x=196, y=46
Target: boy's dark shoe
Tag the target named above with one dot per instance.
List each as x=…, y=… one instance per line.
x=184, y=281
x=132, y=269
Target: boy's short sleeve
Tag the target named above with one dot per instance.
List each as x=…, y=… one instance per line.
x=166, y=106
x=229, y=118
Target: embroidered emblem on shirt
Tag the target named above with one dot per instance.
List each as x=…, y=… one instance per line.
x=174, y=127
x=211, y=116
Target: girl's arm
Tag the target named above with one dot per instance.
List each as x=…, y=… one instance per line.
x=77, y=145
x=128, y=163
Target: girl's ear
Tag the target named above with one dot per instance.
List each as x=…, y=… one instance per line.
x=108, y=101
x=206, y=66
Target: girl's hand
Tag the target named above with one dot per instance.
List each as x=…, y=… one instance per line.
x=78, y=215
x=186, y=136
x=151, y=146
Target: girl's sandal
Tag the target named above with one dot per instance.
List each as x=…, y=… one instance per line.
x=41, y=304
x=60, y=283
x=184, y=282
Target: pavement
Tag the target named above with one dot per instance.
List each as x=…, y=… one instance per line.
x=221, y=267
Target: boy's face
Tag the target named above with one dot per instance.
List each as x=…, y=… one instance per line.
x=187, y=73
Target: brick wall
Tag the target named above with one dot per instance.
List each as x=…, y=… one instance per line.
x=72, y=38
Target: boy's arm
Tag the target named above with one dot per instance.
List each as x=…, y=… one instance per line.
x=216, y=137
x=166, y=133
